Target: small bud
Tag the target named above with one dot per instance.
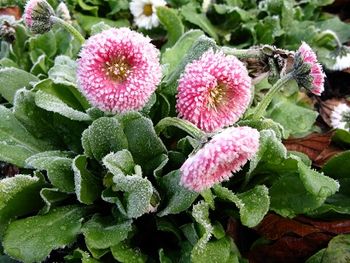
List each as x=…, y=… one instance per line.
x=37, y=16
x=7, y=28
x=62, y=11
x=307, y=71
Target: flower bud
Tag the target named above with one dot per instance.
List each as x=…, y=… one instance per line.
x=7, y=28
x=37, y=14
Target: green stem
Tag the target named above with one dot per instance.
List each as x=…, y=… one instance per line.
x=181, y=124
x=69, y=28
x=260, y=109
x=243, y=53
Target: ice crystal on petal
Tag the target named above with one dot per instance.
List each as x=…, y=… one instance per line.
x=223, y=155
x=214, y=91
x=118, y=70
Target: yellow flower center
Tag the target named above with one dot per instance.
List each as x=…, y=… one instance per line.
x=147, y=10
x=218, y=96
x=118, y=69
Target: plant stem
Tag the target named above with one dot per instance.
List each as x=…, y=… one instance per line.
x=183, y=125
x=69, y=28
x=261, y=108
x=243, y=53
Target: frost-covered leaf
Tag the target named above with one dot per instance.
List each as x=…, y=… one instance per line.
x=19, y=196
x=143, y=143
x=37, y=121
x=136, y=190
x=296, y=119
x=177, y=198
x=42, y=44
x=338, y=249
x=222, y=250
x=32, y=239
x=17, y=144
x=271, y=150
x=173, y=56
x=265, y=124
x=99, y=27
x=103, y=136
x=64, y=71
x=200, y=213
x=253, y=205
x=13, y=79
x=51, y=196
x=170, y=19
x=104, y=232
x=51, y=103
x=87, y=186
x=126, y=254
x=58, y=166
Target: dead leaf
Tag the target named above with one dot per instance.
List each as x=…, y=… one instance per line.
x=11, y=11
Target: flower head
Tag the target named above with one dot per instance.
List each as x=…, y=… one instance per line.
x=340, y=117
x=307, y=71
x=225, y=154
x=62, y=11
x=37, y=14
x=118, y=70
x=145, y=12
x=214, y=91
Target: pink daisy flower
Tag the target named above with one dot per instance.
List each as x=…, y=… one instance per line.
x=223, y=155
x=316, y=83
x=214, y=91
x=37, y=14
x=118, y=70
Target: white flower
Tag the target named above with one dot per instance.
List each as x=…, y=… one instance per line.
x=342, y=60
x=205, y=5
x=340, y=117
x=145, y=12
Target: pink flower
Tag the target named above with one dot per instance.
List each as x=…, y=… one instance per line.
x=308, y=56
x=214, y=91
x=225, y=154
x=37, y=14
x=118, y=70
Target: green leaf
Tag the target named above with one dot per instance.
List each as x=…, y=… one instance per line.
x=99, y=27
x=19, y=196
x=13, y=79
x=341, y=137
x=296, y=119
x=103, y=136
x=200, y=213
x=253, y=205
x=317, y=257
x=143, y=143
x=271, y=150
x=33, y=238
x=137, y=191
x=58, y=166
x=43, y=44
x=222, y=250
x=125, y=254
x=17, y=144
x=335, y=24
x=198, y=48
x=104, y=232
x=63, y=71
x=51, y=103
x=87, y=187
x=51, y=197
x=338, y=166
x=169, y=18
x=316, y=183
x=177, y=198
x=338, y=249
x=189, y=12
x=265, y=124
x=173, y=56
x=87, y=22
